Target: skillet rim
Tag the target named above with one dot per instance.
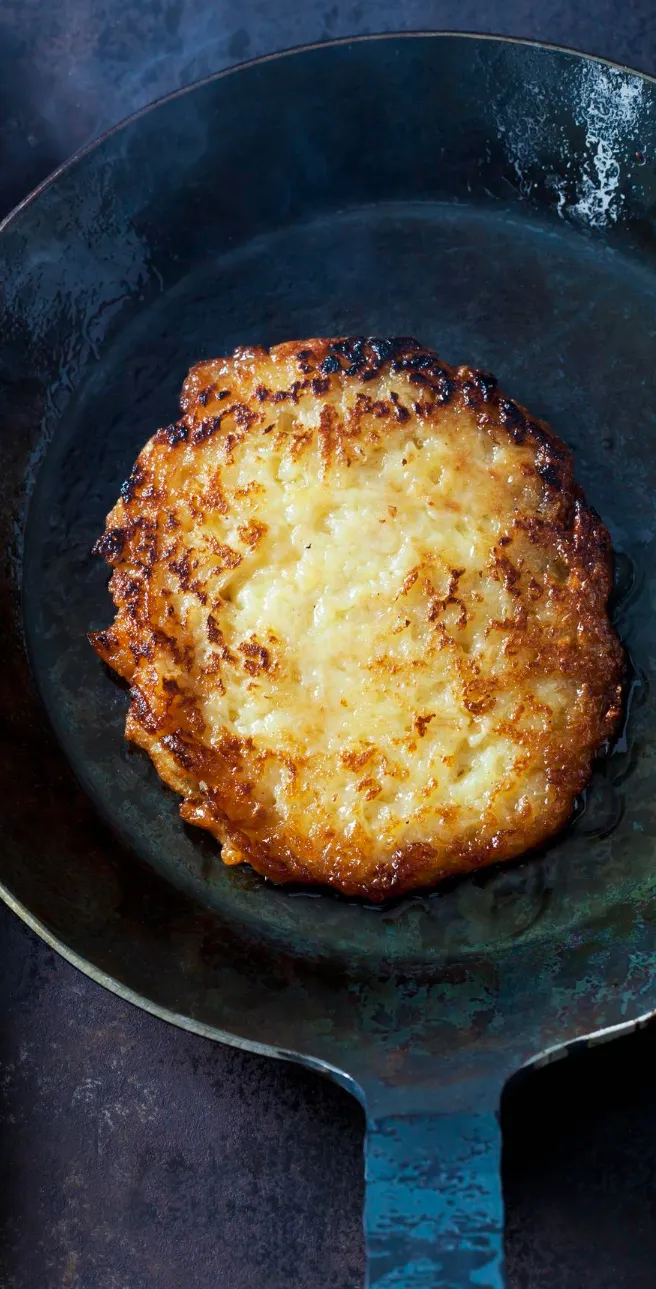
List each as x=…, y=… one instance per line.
x=217, y=1035
x=290, y=52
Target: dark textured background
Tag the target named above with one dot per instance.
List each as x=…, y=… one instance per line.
x=136, y=1156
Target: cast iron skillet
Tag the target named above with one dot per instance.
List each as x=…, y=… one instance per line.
x=496, y=199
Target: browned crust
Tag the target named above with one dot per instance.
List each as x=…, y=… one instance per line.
x=219, y=782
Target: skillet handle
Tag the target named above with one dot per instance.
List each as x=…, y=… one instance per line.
x=434, y=1207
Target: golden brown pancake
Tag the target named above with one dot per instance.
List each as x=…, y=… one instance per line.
x=362, y=609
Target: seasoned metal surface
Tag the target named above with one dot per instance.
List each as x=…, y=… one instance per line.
x=528, y=252
x=70, y=73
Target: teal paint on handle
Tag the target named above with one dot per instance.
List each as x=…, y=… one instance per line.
x=434, y=1207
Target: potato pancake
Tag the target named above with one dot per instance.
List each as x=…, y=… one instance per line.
x=362, y=608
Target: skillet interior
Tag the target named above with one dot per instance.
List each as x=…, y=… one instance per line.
x=559, y=319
